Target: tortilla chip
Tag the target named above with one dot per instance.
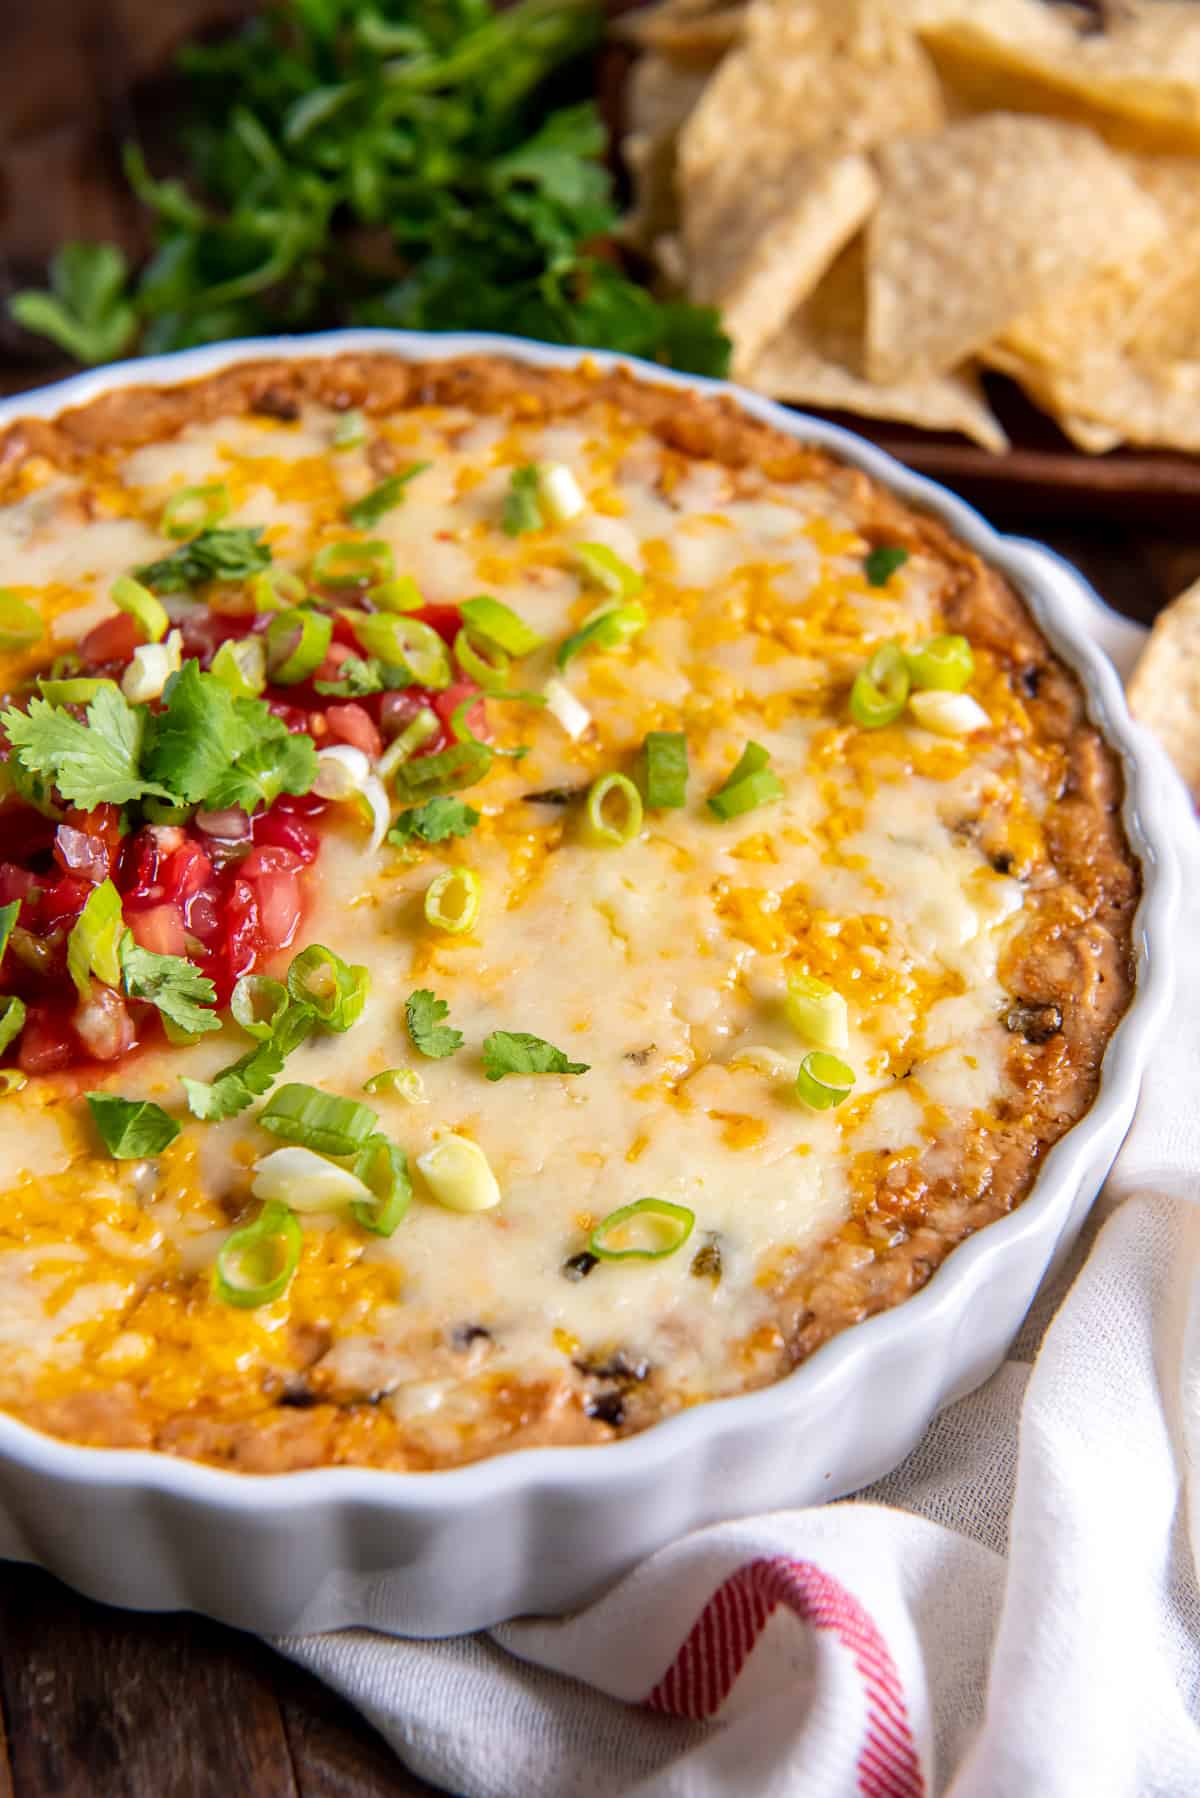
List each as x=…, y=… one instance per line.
x=818, y=360
x=1164, y=689
x=660, y=95
x=1137, y=82
x=981, y=221
x=771, y=182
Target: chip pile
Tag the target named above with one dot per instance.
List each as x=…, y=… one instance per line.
x=886, y=196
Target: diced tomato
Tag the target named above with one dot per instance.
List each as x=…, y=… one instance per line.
x=78, y=852
x=352, y=724
x=113, y=640
x=336, y=654
x=104, y=1026
x=159, y=928
x=447, y=703
x=270, y=858
x=185, y=871
x=47, y=1042
x=445, y=620
x=286, y=830
x=16, y=883
x=278, y=908
x=64, y=898
x=137, y=875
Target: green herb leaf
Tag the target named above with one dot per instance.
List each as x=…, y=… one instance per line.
x=224, y=554
x=517, y=1052
x=882, y=562
x=359, y=675
x=171, y=983
x=434, y=822
x=91, y=764
x=87, y=311
x=237, y=1086
x=371, y=507
x=131, y=1128
x=431, y=1037
x=209, y=746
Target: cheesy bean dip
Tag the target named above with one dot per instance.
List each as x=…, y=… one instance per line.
x=529, y=900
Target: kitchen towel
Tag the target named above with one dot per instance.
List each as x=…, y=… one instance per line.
x=1013, y=1613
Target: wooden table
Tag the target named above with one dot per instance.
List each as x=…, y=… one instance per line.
x=98, y=1703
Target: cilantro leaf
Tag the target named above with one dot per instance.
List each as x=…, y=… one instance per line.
x=91, y=764
x=87, y=311
x=237, y=1086
x=429, y=1036
x=434, y=822
x=358, y=675
x=881, y=563
x=517, y=1052
x=222, y=554
x=214, y=749
x=371, y=507
x=171, y=983
x=522, y=508
x=131, y=1128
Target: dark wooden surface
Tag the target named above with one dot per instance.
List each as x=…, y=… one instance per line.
x=97, y=1703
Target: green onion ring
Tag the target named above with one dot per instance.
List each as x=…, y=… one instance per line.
x=11, y=1081
x=195, y=509
x=823, y=1081
x=400, y=595
x=665, y=769
x=944, y=663
x=881, y=688
x=258, y=1004
x=490, y=670
x=20, y=625
x=297, y=644
x=680, y=1216
x=384, y=1168
x=275, y=589
x=453, y=899
x=257, y=1263
x=496, y=623
x=351, y=564
x=404, y=642
x=595, y=826
x=332, y=988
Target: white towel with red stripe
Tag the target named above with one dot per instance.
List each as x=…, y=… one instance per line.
x=1014, y=1613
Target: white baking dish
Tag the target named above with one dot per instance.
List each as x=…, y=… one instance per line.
x=542, y=1530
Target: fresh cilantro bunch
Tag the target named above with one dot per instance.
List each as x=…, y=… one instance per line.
x=390, y=162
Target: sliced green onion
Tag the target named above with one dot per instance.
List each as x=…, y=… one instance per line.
x=664, y=1227
x=817, y=1013
x=750, y=784
x=943, y=663
x=77, y=690
x=665, y=769
x=257, y=1263
x=344, y=772
x=195, y=509
x=569, y=711
x=419, y=730
x=150, y=668
x=949, y=714
x=522, y=510
x=349, y=564
x=490, y=670
x=12, y=1021
x=404, y=642
x=12, y=1079
x=305, y=1181
x=624, y=816
x=130, y=596
x=406, y=1083
x=297, y=644
x=881, y=564
x=560, y=492
x=604, y=567
x=458, y=1174
x=258, y=1004
x=383, y=1169
x=332, y=988
x=461, y=765
x=389, y=493
x=20, y=625
x=92, y=947
x=400, y=595
x=823, y=1080
x=608, y=627
x=880, y=690
x=8, y=916
x=276, y=589
x=241, y=665
x=498, y=624
x=322, y=1121
x=452, y=901
x=349, y=432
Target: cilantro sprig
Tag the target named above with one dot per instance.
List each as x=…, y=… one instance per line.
x=518, y=1052
x=231, y=554
x=434, y=822
x=324, y=124
x=424, y=1012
